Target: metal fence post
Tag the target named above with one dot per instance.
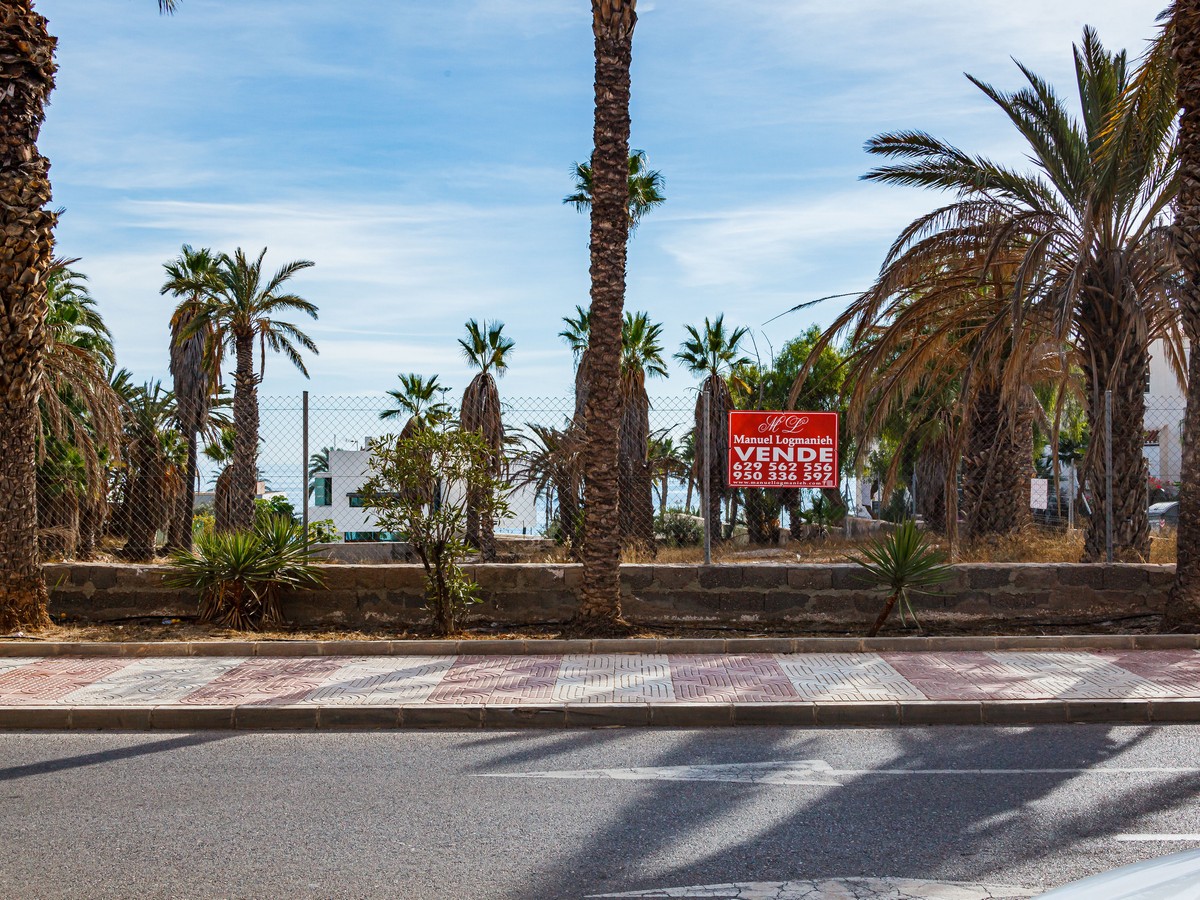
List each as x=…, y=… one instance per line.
x=1071, y=499
x=707, y=407
x=304, y=471
x=1108, y=477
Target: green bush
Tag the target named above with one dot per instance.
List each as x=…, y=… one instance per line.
x=241, y=574
x=324, y=531
x=678, y=528
x=275, y=508
x=902, y=562
x=400, y=492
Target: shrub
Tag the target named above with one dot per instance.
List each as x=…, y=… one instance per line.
x=679, y=528
x=324, y=531
x=902, y=562
x=276, y=507
x=241, y=574
x=403, y=491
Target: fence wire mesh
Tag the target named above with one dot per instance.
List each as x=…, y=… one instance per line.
x=133, y=505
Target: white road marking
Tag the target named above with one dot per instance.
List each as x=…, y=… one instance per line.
x=803, y=771
x=840, y=889
x=815, y=772
x=1149, y=838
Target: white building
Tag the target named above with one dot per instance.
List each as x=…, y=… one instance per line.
x=336, y=497
x=1165, y=405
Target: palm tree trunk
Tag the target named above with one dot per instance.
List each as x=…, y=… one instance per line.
x=244, y=480
x=179, y=534
x=223, y=500
x=26, y=250
x=145, y=500
x=612, y=24
x=636, y=490
x=930, y=475
x=91, y=521
x=714, y=433
x=1183, y=603
x=996, y=466
x=1116, y=357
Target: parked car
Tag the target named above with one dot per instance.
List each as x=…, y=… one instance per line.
x=1174, y=877
x=1164, y=515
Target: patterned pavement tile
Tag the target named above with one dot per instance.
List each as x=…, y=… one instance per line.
x=845, y=677
x=1075, y=676
x=7, y=665
x=152, y=681
x=266, y=682
x=1175, y=672
x=383, y=681
x=50, y=679
x=952, y=676
x=1019, y=676
x=730, y=679
x=498, y=679
x=623, y=678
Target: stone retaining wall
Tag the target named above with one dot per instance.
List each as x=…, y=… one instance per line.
x=818, y=597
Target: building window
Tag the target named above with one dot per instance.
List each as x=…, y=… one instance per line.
x=323, y=491
x=356, y=501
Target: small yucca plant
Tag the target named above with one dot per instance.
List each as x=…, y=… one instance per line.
x=240, y=574
x=902, y=562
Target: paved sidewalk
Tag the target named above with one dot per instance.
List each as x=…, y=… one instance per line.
x=600, y=689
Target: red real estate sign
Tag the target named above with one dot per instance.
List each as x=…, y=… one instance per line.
x=783, y=449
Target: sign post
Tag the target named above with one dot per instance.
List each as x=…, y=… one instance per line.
x=771, y=449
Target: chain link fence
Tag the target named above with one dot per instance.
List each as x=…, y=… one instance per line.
x=135, y=506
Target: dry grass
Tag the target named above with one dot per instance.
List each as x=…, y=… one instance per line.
x=1032, y=545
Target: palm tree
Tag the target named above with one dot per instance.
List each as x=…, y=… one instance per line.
x=641, y=357
x=26, y=255
x=645, y=193
x=1181, y=41
x=715, y=354
x=80, y=412
x=1085, y=233
x=190, y=277
x=221, y=451
x=240, y=310
x=613, y=22
x=420, y=399
x=645, y=188
x=667, y=461
x=318, y=464
x=152, y=443
x=486, y=349
x=550, y=462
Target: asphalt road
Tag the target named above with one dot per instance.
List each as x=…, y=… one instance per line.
x=410, y=815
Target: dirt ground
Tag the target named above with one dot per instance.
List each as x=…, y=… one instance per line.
x=190, y=630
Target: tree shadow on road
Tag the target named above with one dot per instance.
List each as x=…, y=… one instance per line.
x=99, y=757
x=952, y=827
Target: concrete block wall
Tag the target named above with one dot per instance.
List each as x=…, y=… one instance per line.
x=822, y=597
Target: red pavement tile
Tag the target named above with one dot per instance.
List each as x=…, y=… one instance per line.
x=492, y=679
x=53, y=679
x=729, y=679
x=1176, y=671
x=961, y=676
x=266, y=682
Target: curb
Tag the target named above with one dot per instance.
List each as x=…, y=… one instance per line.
x=308, y=717
x=16, y=648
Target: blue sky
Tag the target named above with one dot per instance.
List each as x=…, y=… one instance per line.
x=418, y=151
